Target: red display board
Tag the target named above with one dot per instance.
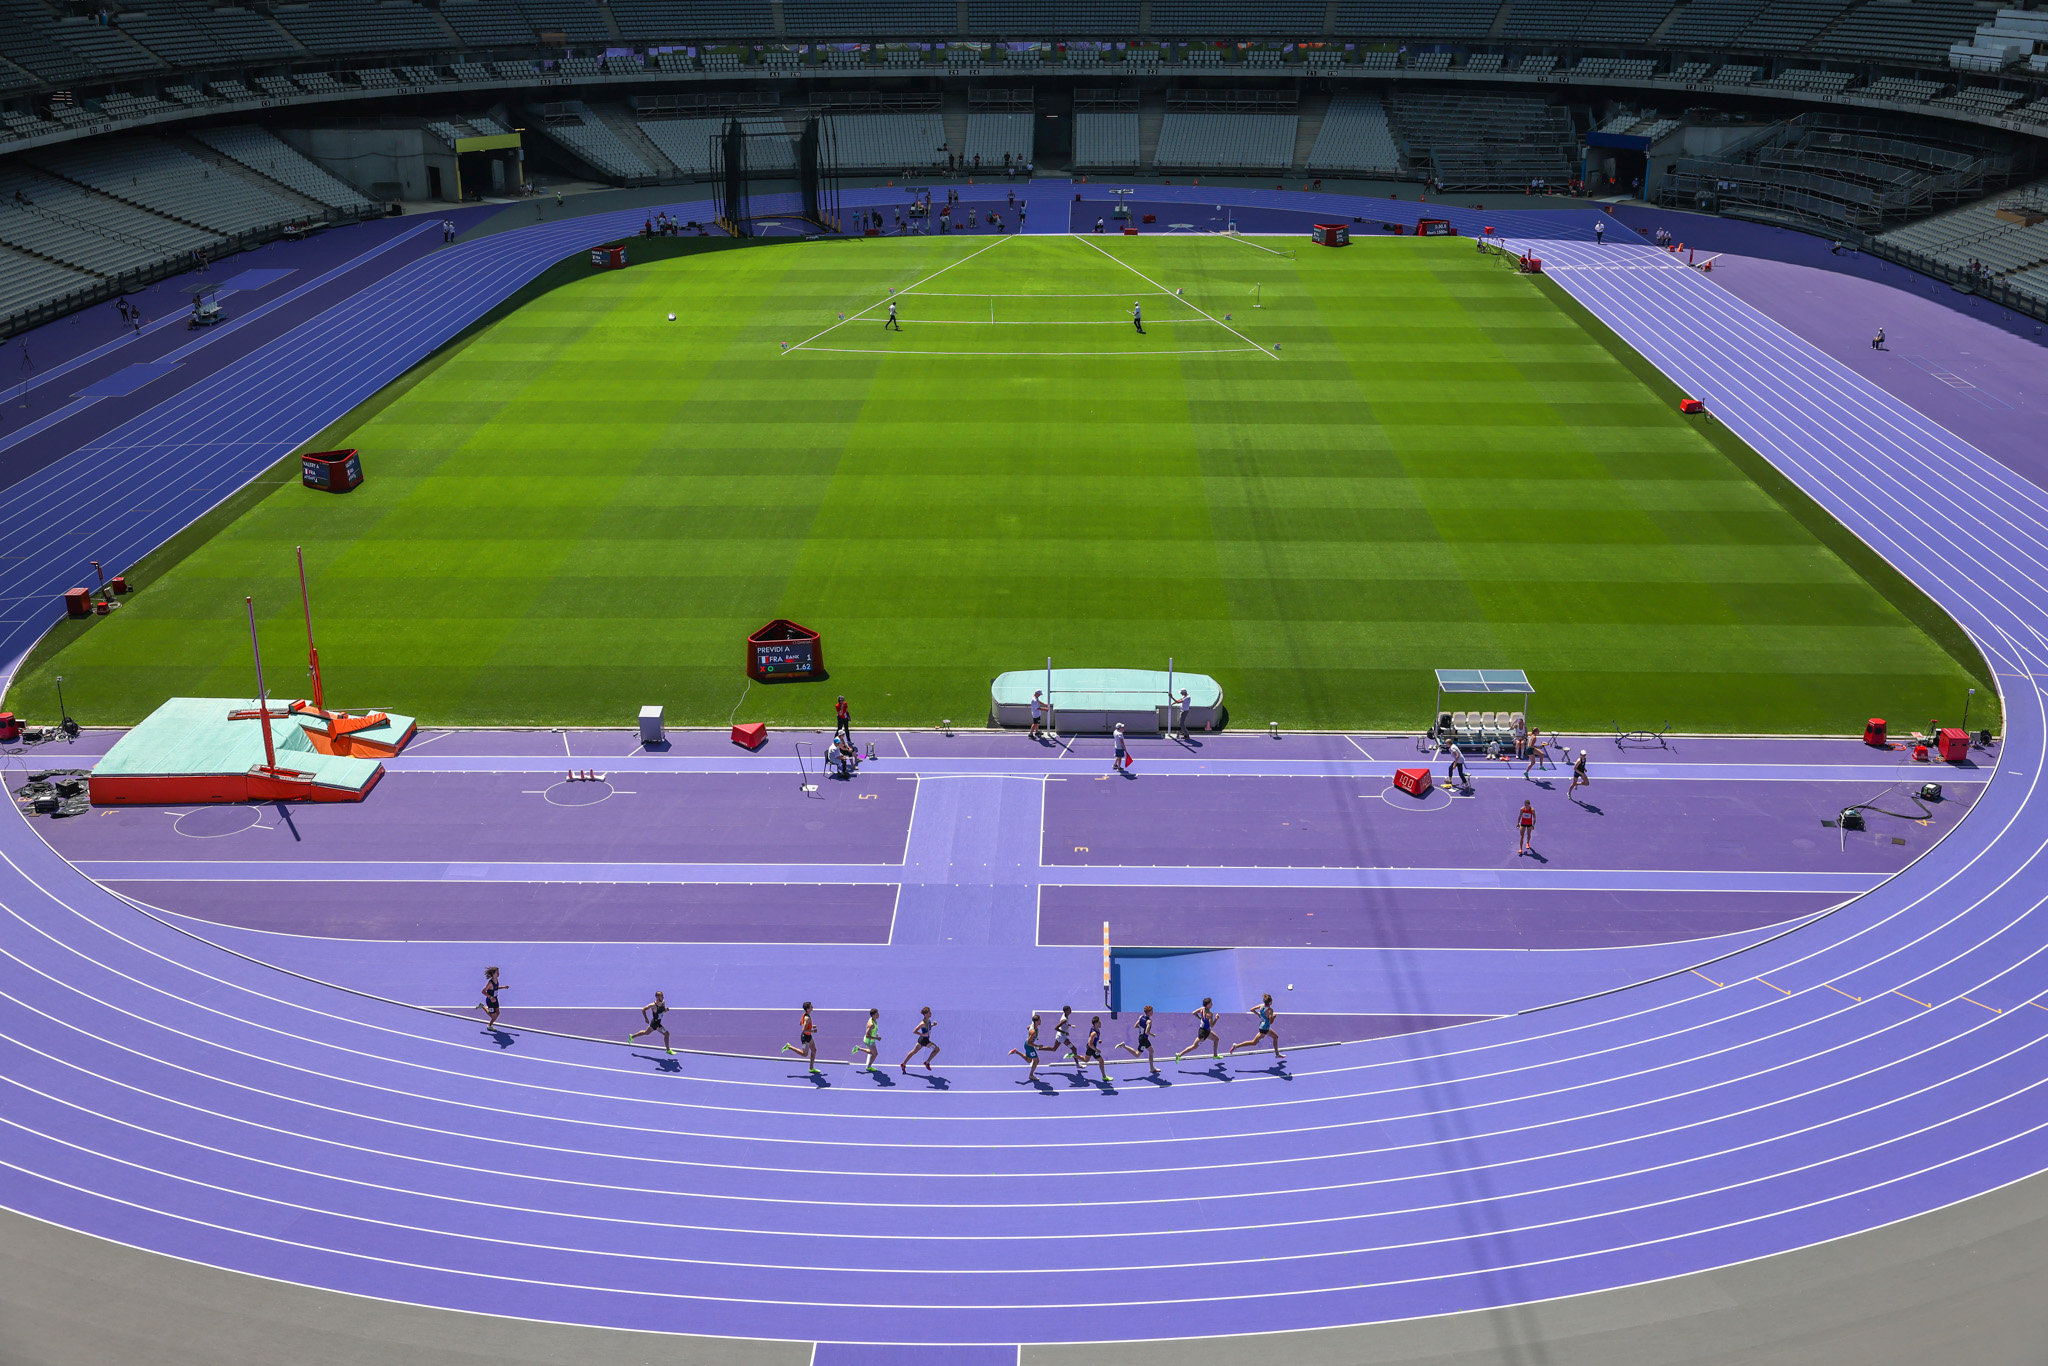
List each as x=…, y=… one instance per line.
x=750, y=735
x=783, y=652
x=1414, y=781
x=331, y=471
x=609, y=258
x=1331, y=234
x=1434, y=227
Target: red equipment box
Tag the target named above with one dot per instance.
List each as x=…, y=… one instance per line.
x=1434, y=227
x=330, y=471
x=1691, y=405
x=1954, y=744
x=119, y=583
x=1414, y=781
x=77, y=602
x=609, y=258
x=753, y=735
x=1876, y=733
x=10, y=727
x=1331, y=234
x=783, y=652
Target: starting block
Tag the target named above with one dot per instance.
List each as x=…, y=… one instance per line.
x=1416, y=782
x=753, y=735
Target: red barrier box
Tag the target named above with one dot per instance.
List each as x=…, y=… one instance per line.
x=77, y=602
x=1876, y=733
x=1954, y=744
x=753, y=735
x=1414, y=781
x=1691, y=405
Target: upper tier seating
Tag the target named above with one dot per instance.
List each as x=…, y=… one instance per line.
x=349, y=26
x=1416, y=18
x=869, y=18
x=1486, y=142
x=1892, y=30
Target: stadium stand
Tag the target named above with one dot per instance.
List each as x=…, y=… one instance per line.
x=1212, y=141
x=1735, y=73
x=1800, y=78
x=262, y=152
x=1711, y=23
x=672, y=20
x=1975, y=235
x=577, y=21
x=1538, y=64
x=106, y=49
x=32, y=44
x=29, y=282
x=869, y=18
x=1483, y=63
x=1207, y=18
x=153, y=174
x=577, y=128
x=1468, y=19
x=1903, y=89
x=685, y=141
x=996, y=133
x=1433, y=61
x=1105, y=130
x=1356, y=136
x=1836, y=175
x=488, y=23
x=1544, y=20
x=69, y=224
x=349, y=26
x=889, y=141
x=1789, y=25
x=1894, y=31
x=1486, y=142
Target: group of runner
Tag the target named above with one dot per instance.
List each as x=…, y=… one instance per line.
x=653, y=1021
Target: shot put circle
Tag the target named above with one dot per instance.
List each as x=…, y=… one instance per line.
x=1439, y=799
x=582, y=792
x=218, y=822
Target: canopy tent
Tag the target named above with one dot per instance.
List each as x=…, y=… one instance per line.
x=1481, y=727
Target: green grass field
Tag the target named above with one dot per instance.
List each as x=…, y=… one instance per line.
x=583, y=507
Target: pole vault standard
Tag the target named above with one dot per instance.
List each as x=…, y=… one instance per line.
x=312, y=650
x=262, y=696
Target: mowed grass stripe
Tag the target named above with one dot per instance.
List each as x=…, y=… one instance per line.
x=584, y=507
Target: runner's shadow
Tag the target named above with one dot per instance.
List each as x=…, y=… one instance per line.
x=1278, y=1069
x=1534, y=855
x=661, y=1064
x=1217, y=1069
x=1589, y=807
x=500, y=1037
x=878, y=1076
x=816, y=1079
x=1038, y=1084
x=1544, y=783
x=935, y=1081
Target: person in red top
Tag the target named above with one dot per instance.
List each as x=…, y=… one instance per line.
x=843, y=723
x=1527, y=822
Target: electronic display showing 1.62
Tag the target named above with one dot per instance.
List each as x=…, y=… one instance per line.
x=784, y=656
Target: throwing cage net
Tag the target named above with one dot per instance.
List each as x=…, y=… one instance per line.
x=745, y=159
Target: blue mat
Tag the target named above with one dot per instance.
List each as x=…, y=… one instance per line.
x=128, y=379
x=256, y=279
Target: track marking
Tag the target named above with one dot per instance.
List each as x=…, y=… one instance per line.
x=1704, y=978
x=1922, y=1004
x=1839, y=992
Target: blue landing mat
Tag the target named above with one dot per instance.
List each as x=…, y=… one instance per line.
x=256, y=279
x=128, y=379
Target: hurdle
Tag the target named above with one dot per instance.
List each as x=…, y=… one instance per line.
x=803, y=770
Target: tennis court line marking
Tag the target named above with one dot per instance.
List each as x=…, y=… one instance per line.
x=913, y=285
x=1197, y=307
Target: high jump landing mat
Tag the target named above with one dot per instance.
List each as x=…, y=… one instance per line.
x=1094, y=700
x=197, y=750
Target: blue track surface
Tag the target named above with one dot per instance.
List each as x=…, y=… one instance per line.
x=1875, y=1064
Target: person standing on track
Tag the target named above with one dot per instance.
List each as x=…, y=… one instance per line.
x=1144, y=1048
x=1525, y=822
x=923, y=1036
x=1579, y=778
x=652, y=1013
x=842, y=718
x=1038, y=715
x=1205, y=1031
x=492, y=986
x=1599, y=231
x=1266, y=1017
x=1030, y=1050
x=1454, y=770
x=806, y=1045
x=1539, y=753
x=1120, y=757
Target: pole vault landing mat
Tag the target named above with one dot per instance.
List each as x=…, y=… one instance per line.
x=210, y=749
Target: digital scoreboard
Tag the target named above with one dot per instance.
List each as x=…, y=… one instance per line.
x=784, y=651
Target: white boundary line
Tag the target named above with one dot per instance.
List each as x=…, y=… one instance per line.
x=913, y=285
x=1053, y=355
x=1239, y=239
x=1197, y=307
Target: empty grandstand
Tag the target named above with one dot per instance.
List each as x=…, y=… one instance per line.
x=1221, y=130
x=1839, y=174
x=1486, y=142
x=1356, y=136
x=1105, y=130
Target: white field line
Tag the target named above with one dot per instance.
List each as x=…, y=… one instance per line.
x=1055, y=355
x=1210, y=316
x=913, y=285
x=1239, y=239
